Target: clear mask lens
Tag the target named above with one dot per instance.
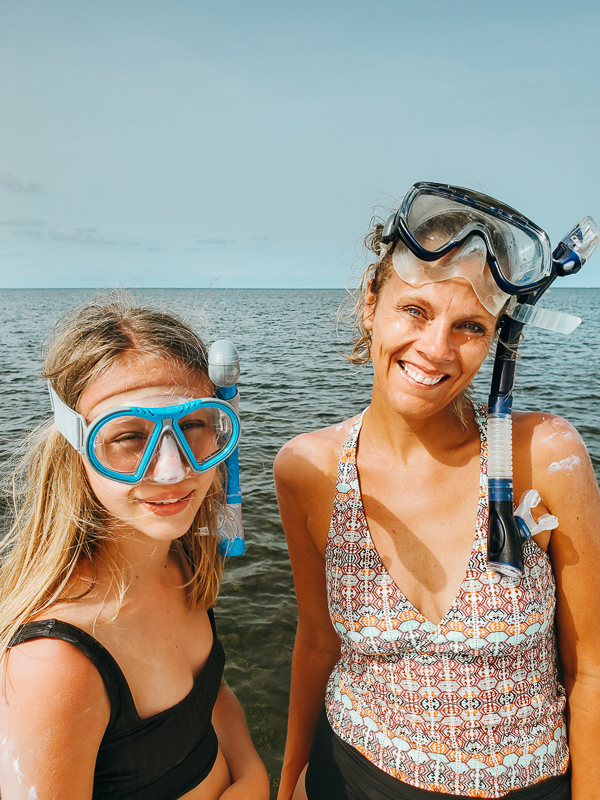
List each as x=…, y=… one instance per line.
x=120, y=444
x=434, y=220
x=206, y=431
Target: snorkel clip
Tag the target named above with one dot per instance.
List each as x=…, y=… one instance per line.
x=524, y=518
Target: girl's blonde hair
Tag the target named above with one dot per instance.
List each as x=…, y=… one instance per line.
x=58, y=525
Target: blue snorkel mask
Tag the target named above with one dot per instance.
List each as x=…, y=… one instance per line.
x=124, y=442
x=440, y=232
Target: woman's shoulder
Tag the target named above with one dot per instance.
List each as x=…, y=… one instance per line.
x=547, y=435
x=551, y=451
x=316, y=450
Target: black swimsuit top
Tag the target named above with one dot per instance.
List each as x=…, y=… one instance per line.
x=158, y=758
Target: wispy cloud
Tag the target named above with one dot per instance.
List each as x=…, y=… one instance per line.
x=87, y=236
x=23, y=222
x=78, y=235
x=215, y=241
x=33, y=228
x=11, y=183
x=28, y=233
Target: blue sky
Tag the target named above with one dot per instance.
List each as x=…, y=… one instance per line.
x=245, y=144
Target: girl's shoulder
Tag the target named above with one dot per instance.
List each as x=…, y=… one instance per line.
x=52, y=668
x=52, y=696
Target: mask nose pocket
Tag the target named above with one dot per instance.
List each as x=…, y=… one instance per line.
x=167, y=465
x=471, y=255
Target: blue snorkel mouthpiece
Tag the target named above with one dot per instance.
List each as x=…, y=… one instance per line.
x=506, y=531
x=224, y=372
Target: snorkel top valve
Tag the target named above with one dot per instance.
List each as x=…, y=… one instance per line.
x=224, y=372
x=576, y=247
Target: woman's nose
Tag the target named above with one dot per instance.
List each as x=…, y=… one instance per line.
x=167, y=465
x=436, y=341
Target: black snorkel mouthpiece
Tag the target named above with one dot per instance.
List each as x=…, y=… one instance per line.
x=505, y=532
x=505, y=548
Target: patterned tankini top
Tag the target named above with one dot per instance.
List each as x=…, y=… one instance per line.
x=471, y=706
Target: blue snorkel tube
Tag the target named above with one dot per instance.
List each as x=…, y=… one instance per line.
x=224, y=372
x=507, y=530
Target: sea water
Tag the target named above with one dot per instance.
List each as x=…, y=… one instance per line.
x=294, y=379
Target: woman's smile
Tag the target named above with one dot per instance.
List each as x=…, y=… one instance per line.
x=420, y=376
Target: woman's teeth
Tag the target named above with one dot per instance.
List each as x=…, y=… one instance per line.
x=419, y=377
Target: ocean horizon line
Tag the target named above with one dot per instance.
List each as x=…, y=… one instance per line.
x=222, y=288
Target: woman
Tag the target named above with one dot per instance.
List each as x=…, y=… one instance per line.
x=113, y=671
x=438, y=674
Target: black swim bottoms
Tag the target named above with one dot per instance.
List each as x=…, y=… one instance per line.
x=336, y=771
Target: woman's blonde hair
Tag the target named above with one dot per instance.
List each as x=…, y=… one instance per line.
x=58, y=525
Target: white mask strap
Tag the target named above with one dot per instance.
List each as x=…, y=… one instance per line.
x=71, y=424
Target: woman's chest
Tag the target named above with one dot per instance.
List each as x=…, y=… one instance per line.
x=422, y=527
x=489, y=615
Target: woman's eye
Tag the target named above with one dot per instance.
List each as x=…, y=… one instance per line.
x=473, y=327
x=413, y=311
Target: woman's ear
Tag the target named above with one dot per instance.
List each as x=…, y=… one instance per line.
x=369, y=306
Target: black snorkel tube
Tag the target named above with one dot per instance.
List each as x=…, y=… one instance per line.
x=505, y=531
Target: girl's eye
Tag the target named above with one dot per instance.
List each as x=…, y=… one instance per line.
x=194, y=424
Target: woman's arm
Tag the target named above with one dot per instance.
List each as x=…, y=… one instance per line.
x=53, y=713
x=305, y=497
x=563, y=470
x=249, y=780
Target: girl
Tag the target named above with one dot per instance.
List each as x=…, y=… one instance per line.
x=113, y=671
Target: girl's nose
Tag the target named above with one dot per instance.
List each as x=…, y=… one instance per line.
x=167, y=465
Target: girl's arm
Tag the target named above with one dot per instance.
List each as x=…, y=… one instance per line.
x=305, y=498
x=249, y=779
x=570, y=491
x=54, y=710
